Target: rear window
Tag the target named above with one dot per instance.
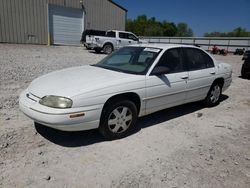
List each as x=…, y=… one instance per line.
x=123, y=35
x=110, y=34
x=197, y=59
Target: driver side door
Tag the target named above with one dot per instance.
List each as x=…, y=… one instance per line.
x=169, y=89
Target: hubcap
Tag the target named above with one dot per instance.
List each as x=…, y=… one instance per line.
x=120, y=119
x=215, y=94
x=108, y=49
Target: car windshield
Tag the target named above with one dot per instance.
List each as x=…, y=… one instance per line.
x=133, y=60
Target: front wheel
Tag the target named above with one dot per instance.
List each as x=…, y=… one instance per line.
x=213, y=96
x=118, y=119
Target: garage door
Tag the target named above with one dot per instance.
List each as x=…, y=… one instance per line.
x=65, y=25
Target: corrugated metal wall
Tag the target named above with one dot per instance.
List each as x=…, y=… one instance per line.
x=104, y=15
x=25, y=21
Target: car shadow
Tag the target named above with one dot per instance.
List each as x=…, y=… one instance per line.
x=84, y=138
x=94, y=52
x=172, y=113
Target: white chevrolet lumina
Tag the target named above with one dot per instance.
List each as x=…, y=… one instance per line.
x=131, y=82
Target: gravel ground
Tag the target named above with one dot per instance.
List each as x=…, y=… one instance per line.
x=186, y=146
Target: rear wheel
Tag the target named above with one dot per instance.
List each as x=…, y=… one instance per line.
x=108, y=48
x=213, y=96
x=118, y=119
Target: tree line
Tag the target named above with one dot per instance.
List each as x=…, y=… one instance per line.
x=143, y=26
x=238, y=32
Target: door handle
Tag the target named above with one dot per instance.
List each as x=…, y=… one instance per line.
x=212, y=72
x=184, y=77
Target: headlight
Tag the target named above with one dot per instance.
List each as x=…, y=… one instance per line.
x=56, y=102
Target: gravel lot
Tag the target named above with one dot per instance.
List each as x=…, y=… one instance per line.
x=186, y=146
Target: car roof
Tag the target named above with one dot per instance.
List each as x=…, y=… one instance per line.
x=163, y=46
x=120, y=31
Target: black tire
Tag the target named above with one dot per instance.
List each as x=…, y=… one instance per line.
x=107, y=48
x=118, y=119
x=243, y=72
x=213, y=96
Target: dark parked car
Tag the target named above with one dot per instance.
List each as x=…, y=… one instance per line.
x=246, y=55
x=245, y=70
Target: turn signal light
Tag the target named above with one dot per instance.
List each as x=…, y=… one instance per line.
x=76, y=115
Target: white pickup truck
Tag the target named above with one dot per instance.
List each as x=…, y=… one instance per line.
x=112, y=40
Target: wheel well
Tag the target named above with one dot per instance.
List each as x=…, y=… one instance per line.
x=220, y=81
x=109, y=44
x=130, y=96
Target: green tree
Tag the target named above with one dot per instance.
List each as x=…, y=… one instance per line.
x=169, y=29
x=183, y=30
x=143, y=26
x=237, y=32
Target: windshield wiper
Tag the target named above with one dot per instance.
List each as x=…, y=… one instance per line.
x=108, y=68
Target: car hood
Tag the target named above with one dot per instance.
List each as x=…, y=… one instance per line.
x=143, y=41
x=77, y=80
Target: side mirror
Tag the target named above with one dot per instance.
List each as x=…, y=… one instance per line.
x=160, y=70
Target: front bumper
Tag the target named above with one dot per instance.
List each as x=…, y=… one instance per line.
x=60, y=118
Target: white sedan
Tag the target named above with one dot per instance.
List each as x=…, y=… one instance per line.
x=131, y=82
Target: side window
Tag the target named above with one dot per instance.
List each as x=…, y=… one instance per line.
x=132, y=37
x=197, y=59
x=209, y=61
x=111, y=34
x=123, y=35
x=172, y=60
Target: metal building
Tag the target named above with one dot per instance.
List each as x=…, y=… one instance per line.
x=56, y=21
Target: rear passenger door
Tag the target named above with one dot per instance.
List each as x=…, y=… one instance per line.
x=201, y=73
